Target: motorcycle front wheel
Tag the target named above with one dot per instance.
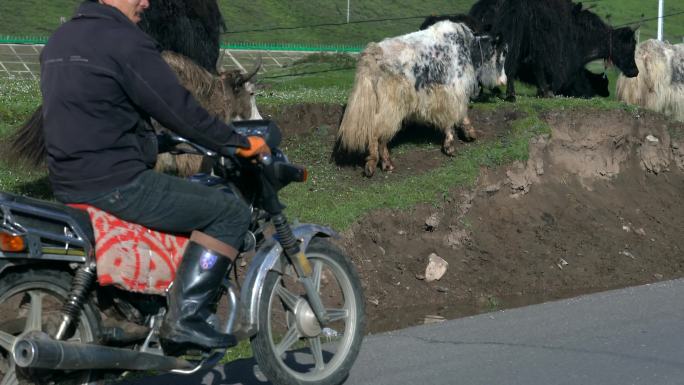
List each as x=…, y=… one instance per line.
x=291, y=347
x=31, y=301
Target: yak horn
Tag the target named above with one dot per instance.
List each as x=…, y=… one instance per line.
x=247, y=77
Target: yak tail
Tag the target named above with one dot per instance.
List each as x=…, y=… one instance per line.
x=27, y=144
x=358, y=123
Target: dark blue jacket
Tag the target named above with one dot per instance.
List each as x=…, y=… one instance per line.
x=101, y=79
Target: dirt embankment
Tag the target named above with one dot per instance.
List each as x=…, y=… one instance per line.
x=599, y=204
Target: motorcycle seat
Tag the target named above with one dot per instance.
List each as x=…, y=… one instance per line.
x=25, y=218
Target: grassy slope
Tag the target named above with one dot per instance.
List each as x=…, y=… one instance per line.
x=328, y=197
x=39, y=17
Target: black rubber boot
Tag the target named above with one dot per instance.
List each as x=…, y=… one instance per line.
x=190, y=300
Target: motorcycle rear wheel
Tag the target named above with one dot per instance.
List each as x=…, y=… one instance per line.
x=31, y=301
x=291, y=347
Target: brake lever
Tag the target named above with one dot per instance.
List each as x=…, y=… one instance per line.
x=177, y=139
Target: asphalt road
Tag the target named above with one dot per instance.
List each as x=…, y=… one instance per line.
x=623, y=337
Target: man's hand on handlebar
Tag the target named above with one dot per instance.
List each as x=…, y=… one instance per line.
x=257, y=146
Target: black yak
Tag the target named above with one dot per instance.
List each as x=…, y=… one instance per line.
x=553, y=39
x=191, y=28
x=469, y=21
x=582, y=84
x=428, y=75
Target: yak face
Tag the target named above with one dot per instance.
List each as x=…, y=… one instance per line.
x=240, y=94
x=623, y=45
x=488, y=55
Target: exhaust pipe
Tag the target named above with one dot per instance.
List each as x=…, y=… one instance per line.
x=45, y=353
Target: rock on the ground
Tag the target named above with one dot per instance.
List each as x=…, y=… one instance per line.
x=436, y=268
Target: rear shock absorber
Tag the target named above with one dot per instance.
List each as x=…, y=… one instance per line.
x=80, y=288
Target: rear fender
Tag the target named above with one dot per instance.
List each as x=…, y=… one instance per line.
x=270, y=257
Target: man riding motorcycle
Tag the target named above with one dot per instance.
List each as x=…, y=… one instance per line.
x=102, y=79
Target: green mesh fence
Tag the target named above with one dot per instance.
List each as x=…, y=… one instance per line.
x=233, y=46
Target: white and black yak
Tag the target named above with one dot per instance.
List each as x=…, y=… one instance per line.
x=552, y=40
x=191, y=28
x=428, y=76
x=583, y=84
x=660, y=84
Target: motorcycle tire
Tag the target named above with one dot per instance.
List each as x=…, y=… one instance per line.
x=24, y=292
x=290, y=346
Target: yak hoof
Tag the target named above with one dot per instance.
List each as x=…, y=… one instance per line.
x=449, y=149
x=369, y=170
x=387, y=166
x=510, y=98
x=470, y=134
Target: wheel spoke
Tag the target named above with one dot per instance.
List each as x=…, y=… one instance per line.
x=317, y=272
x=288, y=340
x=317, y=351
x=10, y=378
x=7, y=341
x=34, y=318
x=337, y=314
x=290, y=299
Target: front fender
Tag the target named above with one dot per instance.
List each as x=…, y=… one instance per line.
x=4, y=264
x=268, y=258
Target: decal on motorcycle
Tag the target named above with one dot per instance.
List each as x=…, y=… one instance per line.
x=208, y=261
x=133, y=257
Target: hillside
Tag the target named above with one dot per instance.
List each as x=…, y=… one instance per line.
x=40, y=17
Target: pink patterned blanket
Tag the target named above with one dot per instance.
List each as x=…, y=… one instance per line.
x=132, y=256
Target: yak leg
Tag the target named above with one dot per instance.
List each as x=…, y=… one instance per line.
x=510, y=89
x=543, y=88
x=469, y=130
x=371, y=159
x=385, y=161
x=449, y=147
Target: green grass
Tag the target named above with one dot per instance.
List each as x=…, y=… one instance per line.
x=18, y=99
x=41, y=17
x=242, y=350
x=318, y=78
x=330, y=199
x=331, y=196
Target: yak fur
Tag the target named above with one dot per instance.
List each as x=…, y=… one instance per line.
x=189, y=27
x=428, y=76
x=660, y=84
x=229, y=96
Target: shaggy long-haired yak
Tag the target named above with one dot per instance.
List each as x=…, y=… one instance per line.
x=429, y=76
x=660, y=84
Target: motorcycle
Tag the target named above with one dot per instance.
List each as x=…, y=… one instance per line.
x=300, y=303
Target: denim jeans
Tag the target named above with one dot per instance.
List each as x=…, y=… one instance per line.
x=173, y=205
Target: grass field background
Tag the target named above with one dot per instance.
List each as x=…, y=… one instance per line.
x=41, y=17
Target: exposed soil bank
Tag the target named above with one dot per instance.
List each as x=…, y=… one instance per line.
x=598, y=205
